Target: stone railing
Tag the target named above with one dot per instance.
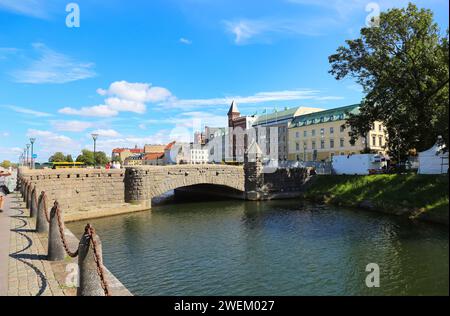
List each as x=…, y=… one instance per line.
x=78, y=189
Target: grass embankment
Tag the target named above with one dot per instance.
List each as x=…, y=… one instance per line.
x=422, y=197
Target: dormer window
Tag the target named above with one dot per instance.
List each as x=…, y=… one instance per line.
x=322, y=119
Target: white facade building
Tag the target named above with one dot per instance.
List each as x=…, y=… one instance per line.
x=199, y=156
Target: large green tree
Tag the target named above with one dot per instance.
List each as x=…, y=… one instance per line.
x=57, y=157
x=403, y=68
x=87, y=157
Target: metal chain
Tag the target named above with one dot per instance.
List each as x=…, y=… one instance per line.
x=61, y=232
x=44, y=200
x=90, y=231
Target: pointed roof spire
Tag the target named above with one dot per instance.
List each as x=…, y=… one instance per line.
x=233, y=108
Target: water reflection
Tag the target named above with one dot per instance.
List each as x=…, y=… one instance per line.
x=271, y=248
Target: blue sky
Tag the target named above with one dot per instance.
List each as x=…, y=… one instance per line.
x=141, y=72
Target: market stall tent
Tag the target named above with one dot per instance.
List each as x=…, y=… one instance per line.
x=433, y=161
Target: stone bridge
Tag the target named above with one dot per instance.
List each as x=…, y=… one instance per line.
x=144, y=183
x=85, y=193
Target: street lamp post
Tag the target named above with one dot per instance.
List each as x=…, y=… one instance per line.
x=32, y=140
x=28, y=155
x=94, y=137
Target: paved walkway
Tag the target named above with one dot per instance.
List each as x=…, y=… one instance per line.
x=28, y=272
x=24, y=270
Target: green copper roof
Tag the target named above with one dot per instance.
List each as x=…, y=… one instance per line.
x=275, y=116
x=336, y=114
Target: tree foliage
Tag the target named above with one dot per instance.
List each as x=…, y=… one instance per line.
x=57, y=157
x=6, y=164
x=403, y=68
x=87, y=157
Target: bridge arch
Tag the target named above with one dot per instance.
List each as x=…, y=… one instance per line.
x=144, y=183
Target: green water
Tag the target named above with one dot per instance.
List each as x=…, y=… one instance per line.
x=271, y=248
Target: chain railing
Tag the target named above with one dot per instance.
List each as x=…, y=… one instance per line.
x=89, y=231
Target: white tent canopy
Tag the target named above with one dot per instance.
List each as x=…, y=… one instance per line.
x=433, y=160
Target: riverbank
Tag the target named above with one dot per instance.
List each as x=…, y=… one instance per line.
x=419, y=197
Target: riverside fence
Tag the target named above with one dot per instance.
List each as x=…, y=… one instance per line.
x=92, y=277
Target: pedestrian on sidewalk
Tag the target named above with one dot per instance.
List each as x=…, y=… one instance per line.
x=3, y=188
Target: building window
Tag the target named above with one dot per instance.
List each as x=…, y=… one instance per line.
x=297, y=134
x=341, y=141
x=342, y=128
x=331, y=117
x=297, y=147
x=380, y=141
x=313, y=144
x=374, y=141
x=322, y=131
x=305, y=145
x=322, y=144
x=322, y=119
x=305, y=133
x=331, y=130
x=313, y=132
x=331, y=143
x=379, y=127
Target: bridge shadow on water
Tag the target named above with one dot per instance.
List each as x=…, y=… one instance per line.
x=198, y=193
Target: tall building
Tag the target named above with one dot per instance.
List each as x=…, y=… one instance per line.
x=321, y=135
x=278, y=120
x=237, y=126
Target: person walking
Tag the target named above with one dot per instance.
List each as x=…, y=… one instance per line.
x=3, y=188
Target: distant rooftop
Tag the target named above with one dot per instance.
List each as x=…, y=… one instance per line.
x=268, y=118
x=336, y=114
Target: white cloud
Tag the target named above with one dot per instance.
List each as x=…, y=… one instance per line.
x=71, y=126
x=185, y=41
x=139, y=92
x=53, y=67
x=124, y=105
x=123, y=96
x=260, y=97
x=263, y=30
x=97, y=111
x=106, y=133
x=47, y=143
x=23, y=110
x=34, y=8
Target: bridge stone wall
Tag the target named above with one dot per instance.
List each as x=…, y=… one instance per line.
x=142, y=183
x=78, y=189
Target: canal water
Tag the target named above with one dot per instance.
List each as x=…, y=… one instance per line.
x=271, y=248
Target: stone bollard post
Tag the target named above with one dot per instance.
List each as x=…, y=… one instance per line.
x=25, y=191
x=56, y=251
x=90, y=283
x=33, y=203
x=41, y=220
x=29, y=189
